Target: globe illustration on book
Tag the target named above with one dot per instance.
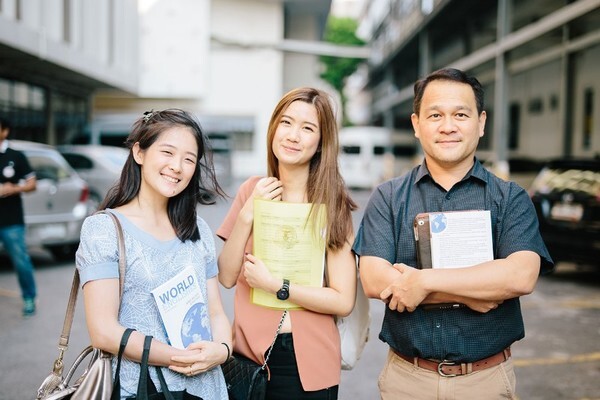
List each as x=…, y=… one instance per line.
x=192, y=329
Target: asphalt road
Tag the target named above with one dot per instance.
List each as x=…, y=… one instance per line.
x=558, y=359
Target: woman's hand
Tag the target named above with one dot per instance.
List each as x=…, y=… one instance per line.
x=269, y=188
x=202, y=357
x=258, y=276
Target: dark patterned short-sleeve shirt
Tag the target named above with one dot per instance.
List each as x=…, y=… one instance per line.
x=386, y=231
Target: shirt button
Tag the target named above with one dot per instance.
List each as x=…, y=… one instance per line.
x=437, y=324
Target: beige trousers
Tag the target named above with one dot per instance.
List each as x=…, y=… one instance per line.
x=400, y=380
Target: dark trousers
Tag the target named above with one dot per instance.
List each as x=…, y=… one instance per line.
x=285, y=380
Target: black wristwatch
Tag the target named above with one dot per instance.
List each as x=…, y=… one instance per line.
x=284, y=292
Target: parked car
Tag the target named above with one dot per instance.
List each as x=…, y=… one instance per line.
x=100, y=166
x=55, y=211
x=566, y=195
x=522, y=170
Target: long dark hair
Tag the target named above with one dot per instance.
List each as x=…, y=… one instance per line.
x=203, y=187
x=325, y=183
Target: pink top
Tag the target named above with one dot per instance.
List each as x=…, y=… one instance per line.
x=316, y=338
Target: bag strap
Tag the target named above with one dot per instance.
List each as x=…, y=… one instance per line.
x=145, y=384
x=142, y=390
x=116, y=392
x=63, y=342
x=163, y=384
x=274, y=339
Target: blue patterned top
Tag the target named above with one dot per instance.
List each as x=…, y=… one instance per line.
x=150, y=262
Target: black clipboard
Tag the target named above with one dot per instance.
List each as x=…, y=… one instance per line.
x=422, y=233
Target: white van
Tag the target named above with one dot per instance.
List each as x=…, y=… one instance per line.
x=370, y=155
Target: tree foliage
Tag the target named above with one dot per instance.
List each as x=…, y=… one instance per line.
x=336, y=69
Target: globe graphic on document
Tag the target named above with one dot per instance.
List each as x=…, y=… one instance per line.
x=192, y=329
x=438, y=223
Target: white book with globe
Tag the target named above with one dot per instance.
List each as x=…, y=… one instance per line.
x=183, y=309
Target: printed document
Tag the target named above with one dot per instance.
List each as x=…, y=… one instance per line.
x=183, y=309
x=290, y=245
x=460, y=238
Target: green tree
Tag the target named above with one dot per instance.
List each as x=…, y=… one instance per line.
x=336, y=69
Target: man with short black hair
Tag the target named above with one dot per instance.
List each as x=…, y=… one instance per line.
x=462, y=351
x=16, y=177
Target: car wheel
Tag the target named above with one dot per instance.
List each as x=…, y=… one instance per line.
x=64, y=252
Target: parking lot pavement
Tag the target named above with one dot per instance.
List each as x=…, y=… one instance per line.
x=560, y=355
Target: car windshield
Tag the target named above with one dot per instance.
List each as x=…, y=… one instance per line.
x=48, y=166
x=116, y=159
x=577, y=178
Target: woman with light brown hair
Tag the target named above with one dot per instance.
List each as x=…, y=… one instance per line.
x=302, y=148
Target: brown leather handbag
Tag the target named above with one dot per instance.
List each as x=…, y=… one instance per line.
x=95, y=383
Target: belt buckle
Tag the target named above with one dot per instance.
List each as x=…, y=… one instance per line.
x=441, y=365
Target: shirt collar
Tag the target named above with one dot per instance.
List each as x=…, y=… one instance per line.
x=422, y=172
x=4, y=146
x=477, y=171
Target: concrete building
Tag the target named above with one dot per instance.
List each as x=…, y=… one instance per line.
x=227, y=61
x=54, y=55
x=537, y=60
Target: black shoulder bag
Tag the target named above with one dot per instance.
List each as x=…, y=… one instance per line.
x=245, y=379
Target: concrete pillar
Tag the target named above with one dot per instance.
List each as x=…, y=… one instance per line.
x=500, y=128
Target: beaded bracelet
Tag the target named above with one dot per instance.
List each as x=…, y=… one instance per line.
x=228, y=351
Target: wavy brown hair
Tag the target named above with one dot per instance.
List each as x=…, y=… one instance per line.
x=325, y=184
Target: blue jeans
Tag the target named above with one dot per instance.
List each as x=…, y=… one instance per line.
x=13, y=238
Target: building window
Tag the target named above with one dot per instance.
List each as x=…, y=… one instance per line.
x=514, y=121
x=588, y=117
x=21, y=94
x=37, y=99
x=5, y=93
x=554, y=102
x=242, y=140
x=536, y=106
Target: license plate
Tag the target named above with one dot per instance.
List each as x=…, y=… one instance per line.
x=52, y=231
x=567, y=212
